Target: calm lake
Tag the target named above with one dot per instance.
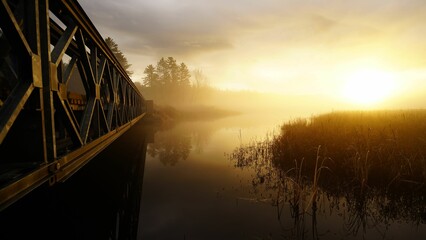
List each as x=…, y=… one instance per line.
x=192, y=189
x=183, y=183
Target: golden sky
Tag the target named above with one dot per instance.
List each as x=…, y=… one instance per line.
x=319, y=47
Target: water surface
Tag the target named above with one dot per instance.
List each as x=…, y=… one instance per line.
x=193, y=190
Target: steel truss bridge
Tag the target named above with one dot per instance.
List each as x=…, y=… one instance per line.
x=64, y=97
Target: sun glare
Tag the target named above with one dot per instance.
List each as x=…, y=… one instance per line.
x=368, y=86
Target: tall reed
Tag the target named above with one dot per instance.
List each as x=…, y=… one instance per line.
x=364, y=148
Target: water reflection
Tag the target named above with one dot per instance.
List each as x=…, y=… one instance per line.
x=174, y=144
x=321, y=208
x=171, y=146
x=201, y=197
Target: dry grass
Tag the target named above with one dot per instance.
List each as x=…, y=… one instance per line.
x=379, y=148
x=375, y=161
x=383, y=151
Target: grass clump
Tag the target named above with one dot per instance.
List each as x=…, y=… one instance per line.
x=357, y=150
x=367, y=148
x=371, y=163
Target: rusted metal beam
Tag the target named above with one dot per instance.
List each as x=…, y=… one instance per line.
x=87, y=119
x=12, y=29
x=85, y=62
x=69, y=70
x=62, y=44
x=48, y=110
x=13, y=106
x=70, y=121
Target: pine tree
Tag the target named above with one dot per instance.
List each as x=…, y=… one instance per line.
x=151, y=78
x=184, y=75
x=119, y=55
x=163, y=72
x=173, y=70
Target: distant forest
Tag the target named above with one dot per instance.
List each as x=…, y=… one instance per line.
x=169, y=82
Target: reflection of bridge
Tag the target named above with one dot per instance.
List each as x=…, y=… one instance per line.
x=63, y=95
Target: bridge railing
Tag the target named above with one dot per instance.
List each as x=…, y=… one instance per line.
x=64, y=96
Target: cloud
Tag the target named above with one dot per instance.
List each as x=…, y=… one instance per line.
x=164, y=46
x=230, y=36
x=153, y=30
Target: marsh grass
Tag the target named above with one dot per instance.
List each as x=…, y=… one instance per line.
x=361, y=149
x=365, y=157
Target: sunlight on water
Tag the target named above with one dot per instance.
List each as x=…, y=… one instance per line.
x=194, y=189
x=203, y=195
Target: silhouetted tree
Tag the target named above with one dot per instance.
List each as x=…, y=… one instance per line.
x=168, y=81
x=119, y=55
x=173, y=70
x=184, y=75
x=151, y=77
x=163, y=72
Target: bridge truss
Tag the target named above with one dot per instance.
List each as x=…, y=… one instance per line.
x=64, y=97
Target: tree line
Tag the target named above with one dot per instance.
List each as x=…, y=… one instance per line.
x=167, y=74
x=170, y=82
x=167, y=82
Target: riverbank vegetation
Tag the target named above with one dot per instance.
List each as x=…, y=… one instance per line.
x=167, y=114
x=368, y=148
x=370, y=158
x=168, y=83
x=178, y=94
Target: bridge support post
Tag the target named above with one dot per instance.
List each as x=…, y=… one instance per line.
x=48, y=111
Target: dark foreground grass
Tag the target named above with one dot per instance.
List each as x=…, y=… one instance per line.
x=368, y=166
x=364, y=149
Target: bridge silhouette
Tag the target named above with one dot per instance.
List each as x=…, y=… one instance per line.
x=64, y=97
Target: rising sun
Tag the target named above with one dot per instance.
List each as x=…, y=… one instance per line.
x=368, y=86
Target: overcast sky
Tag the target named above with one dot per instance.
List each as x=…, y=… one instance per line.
x=284, y=46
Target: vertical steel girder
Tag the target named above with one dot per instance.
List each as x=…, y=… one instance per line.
x=50, y=42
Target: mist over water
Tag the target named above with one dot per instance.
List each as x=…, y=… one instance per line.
x=194, y=189
x=201, y=195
